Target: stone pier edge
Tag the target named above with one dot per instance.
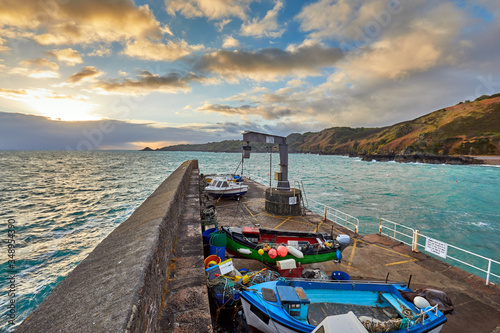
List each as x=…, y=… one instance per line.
x=119, y=286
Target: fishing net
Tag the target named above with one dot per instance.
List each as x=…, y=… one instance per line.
x=262, y=276
x=223, y=290
x=374, y=325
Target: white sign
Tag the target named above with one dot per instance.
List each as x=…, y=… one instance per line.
x=292, y=200
x=269, y=139
x=436, y=247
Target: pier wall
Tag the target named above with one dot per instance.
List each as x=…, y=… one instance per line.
x=121, y=285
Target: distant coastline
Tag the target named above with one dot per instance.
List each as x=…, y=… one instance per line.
x=400, y=158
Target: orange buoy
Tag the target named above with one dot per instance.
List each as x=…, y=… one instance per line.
x=282, y=251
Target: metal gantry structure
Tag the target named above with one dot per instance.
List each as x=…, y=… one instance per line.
x=283, y=183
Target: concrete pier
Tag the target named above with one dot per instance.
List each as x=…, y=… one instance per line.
x=148, y=274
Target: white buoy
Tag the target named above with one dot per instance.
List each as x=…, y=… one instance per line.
x=294, y=252
x=244, y=251
x=421, y=302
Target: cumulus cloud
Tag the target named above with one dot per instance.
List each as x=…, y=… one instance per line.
x=211, y=9
x=147, y=50
x=87, y=74
x=39, y=63
x=230, y=43
x=271, y=63
x=82, y=21
x=100, y=51
x=355, y=20
x=38, y=68
x=146, y=83
x=69, y=56
x=267, y=27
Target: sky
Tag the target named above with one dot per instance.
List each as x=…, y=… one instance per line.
x=123, y=74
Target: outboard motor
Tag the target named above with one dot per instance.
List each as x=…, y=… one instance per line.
x=344, y=241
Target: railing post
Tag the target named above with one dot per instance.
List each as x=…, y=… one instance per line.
x=380, y=226
x=325, y=214
x=489, y=271
x=356, y=229
x=395, y=231
x=415, y=241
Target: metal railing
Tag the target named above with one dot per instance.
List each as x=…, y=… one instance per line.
x=348, y=221
x=411, y=237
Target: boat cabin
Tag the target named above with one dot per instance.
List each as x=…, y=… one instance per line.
x=294, y=301
x=219, y=183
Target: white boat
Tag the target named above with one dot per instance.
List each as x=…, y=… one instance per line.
x=222, y=187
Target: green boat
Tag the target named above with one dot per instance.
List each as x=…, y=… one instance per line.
x=303, y=247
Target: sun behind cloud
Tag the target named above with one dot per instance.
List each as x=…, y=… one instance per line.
x=58, y=106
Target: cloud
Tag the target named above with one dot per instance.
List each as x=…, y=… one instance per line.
x=147, y=50
x=81, y=22
x=87, y=74
x=38, y=68
x=147, y=83
x=267, y=27
x=3, y=48
x=294, y=101
x=221, y=24
x=12, y=93
x=271, y=63
x=39, y=63
x=211, y=9
x=230, y=43
x=266, y=112
x=69, y=56
x=100, y=51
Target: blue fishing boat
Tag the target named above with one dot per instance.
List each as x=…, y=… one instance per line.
x=299, y=305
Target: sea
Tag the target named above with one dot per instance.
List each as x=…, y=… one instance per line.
x=61, y=204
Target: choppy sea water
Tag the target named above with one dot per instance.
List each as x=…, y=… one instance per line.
x=65, y=203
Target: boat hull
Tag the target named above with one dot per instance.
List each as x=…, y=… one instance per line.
x=236, y=246
x=262, y=321
x=227, y=193
x=269, y=315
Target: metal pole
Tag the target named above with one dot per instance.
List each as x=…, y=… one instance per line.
x=489, y=271
x=380, y=226
x=270, y=166
x=415, y=241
